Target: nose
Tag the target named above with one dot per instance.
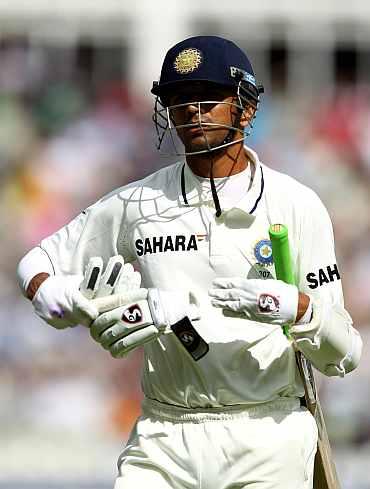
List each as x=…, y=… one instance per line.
x=192, y=111
x=193, y=107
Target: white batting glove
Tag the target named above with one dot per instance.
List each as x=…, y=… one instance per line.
x=118, y=278
x=266, y=301
x=59, y=302
x=62, y=301
x=149, y=314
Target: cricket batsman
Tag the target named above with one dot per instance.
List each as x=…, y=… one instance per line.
x=222, y=404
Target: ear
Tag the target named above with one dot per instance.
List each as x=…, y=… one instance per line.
x=247, y=115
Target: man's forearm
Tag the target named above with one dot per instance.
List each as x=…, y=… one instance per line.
x=35, y=284
x=303, y=303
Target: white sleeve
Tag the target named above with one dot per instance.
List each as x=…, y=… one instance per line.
x=329, y=340
x=34, y=262
x=98, y=231
x=66, y=247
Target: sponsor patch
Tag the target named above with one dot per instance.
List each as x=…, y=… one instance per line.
x=249, y=78
x=163, y=244
x=323, y=276
x=263, y=252
x=132, y=314
x=268, y=303
x=186, y=337
x=246, y=76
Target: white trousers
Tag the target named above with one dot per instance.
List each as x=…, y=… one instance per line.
x=267, y=446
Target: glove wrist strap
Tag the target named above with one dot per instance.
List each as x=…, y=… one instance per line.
x=157, y=310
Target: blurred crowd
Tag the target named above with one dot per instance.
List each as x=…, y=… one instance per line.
x=64, y=142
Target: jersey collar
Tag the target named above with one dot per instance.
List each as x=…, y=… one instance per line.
x=191, y=192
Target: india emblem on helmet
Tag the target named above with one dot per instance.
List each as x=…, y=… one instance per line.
x=188, y=61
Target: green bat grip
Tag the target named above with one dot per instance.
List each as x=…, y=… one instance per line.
x=282, y=258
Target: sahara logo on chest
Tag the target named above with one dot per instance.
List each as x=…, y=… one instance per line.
x=324, y=276
x=162, y=244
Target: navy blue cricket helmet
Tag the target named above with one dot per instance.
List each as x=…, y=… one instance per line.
x=209, y=59
x=212, y=60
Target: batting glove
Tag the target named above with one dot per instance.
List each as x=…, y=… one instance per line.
x=59, y=302
x=112, y=288
x=62, y=301
x=149, y=314
x=266, y=301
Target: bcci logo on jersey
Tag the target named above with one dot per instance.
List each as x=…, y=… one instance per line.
x=263, y=252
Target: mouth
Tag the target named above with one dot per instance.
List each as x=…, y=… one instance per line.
x=198, y=129
x=195, y=130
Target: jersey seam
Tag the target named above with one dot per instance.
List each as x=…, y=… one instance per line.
x=47, y=254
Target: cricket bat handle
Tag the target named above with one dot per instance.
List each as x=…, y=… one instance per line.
x=325, y=474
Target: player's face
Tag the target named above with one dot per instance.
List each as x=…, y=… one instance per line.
x=206, y=111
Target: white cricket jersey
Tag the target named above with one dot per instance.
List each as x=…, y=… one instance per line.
x=166, y=222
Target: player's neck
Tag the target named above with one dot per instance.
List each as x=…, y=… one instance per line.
x=226, y=162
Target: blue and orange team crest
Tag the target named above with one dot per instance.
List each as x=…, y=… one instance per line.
x=263, y=252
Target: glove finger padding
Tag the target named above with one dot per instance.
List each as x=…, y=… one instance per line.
x=92, y=276
x=58, y=322
x=132, y=341
x=123, y=320
x=128, y=280
x=104, y=304
x=234, y=306
x=124, y=328
x=267, y=301
x=118, y=331
x=118, y=278
x=111, y=276
x=142, y=319
x=224, y=295
x=85, y=310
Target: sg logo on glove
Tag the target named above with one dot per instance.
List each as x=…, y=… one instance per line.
x=268, y=303
x=132, y=314
x=187, y=337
